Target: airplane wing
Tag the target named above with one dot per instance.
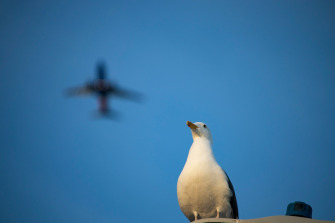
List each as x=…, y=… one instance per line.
x=75, y=91
x=127, y=94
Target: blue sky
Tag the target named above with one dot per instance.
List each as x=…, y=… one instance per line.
x=260, y=74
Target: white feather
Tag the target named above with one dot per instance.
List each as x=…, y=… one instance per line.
x=202, y=187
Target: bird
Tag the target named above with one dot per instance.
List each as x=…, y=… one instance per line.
x=204, y=190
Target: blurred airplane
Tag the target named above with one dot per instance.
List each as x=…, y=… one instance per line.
x=104, y=89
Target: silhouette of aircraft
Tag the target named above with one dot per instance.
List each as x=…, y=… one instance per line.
x=104, y=89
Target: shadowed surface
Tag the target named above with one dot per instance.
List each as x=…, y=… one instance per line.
x=272, y=219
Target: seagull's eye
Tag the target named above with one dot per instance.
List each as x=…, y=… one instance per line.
x=205, y=126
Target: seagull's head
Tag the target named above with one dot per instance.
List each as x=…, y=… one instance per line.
x=199, y=130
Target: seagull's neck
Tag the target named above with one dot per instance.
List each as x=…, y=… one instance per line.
x=201, y=150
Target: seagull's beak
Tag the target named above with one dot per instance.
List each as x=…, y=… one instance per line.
x=191, y=125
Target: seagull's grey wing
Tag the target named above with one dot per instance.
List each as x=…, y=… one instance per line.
x=233, y=202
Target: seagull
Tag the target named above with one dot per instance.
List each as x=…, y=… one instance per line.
x=204, y=189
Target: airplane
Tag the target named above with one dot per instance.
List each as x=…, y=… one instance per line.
x=104, y=89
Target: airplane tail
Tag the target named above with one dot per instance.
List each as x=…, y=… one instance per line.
x=108, y=114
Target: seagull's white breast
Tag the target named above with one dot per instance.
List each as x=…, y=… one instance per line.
x=202, y=186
